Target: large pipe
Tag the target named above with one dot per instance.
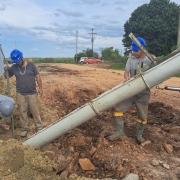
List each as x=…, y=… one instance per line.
x=135, y=85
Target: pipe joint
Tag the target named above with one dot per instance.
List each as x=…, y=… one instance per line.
x=94, y=109
x=145, y=82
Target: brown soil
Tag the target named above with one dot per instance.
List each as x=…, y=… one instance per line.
x=67, y=87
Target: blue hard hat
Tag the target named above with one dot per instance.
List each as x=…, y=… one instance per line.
x=6, y=108
x=135, y=47
x=15, y=56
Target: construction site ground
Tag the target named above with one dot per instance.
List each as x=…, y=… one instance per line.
x=85, y=151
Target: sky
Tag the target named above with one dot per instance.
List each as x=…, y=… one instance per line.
x=60, y=28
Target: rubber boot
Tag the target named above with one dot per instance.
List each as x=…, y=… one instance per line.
x=139, y=131
x=119, y=124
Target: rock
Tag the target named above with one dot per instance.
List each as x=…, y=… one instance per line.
x=71, y=149
x=168, y=148
x=160, y=162
x=155, y=162
x=64, y=175
x=60, y=159
x=86, y=165
x=131, y=177
x=145, y=143
x=133, y=147
x=93, y=150
x=166, y=166
x=70, y=167
x=123, y=171
x=144, y=178
x=62, y=166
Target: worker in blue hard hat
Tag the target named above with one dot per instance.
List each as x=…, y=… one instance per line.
x=26, y=94
x=135, y=65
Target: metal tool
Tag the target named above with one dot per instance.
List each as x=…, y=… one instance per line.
x=9, y=94
x=172, y=88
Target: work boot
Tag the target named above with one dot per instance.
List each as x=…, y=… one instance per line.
x=119, y=124
x=139, y=131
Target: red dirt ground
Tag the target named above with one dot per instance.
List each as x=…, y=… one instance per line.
x=67, y=87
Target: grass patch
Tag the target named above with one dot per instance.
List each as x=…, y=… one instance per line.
x=53, y=60
x=67, y=60
x=178, y=75
x=118, y=66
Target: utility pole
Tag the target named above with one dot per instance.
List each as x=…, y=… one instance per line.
x=178, y=38
x=76, y=44
x=92, y=40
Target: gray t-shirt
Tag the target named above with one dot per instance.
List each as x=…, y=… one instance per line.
x=25, y=78
x=137, y=66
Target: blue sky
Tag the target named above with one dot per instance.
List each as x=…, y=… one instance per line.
x=47, y=28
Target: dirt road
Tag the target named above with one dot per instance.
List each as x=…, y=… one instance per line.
x=67, y=87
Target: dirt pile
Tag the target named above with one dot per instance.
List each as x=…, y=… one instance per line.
x=24, y=162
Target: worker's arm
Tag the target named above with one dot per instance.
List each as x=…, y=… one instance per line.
x=127, y=74
x=39, y=82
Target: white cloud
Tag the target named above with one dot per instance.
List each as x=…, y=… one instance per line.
x=51, y=26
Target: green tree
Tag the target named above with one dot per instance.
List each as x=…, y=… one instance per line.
x=109, y=54
x=96, y=55
x=79, y=55
x=157, y=23
x=106, y=53
x=89, y=52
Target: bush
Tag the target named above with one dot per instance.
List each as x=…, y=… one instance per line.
x=118, y=66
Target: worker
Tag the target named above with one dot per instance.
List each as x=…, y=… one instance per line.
x=136, y=64
x=6, y=109
x=26, y=94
